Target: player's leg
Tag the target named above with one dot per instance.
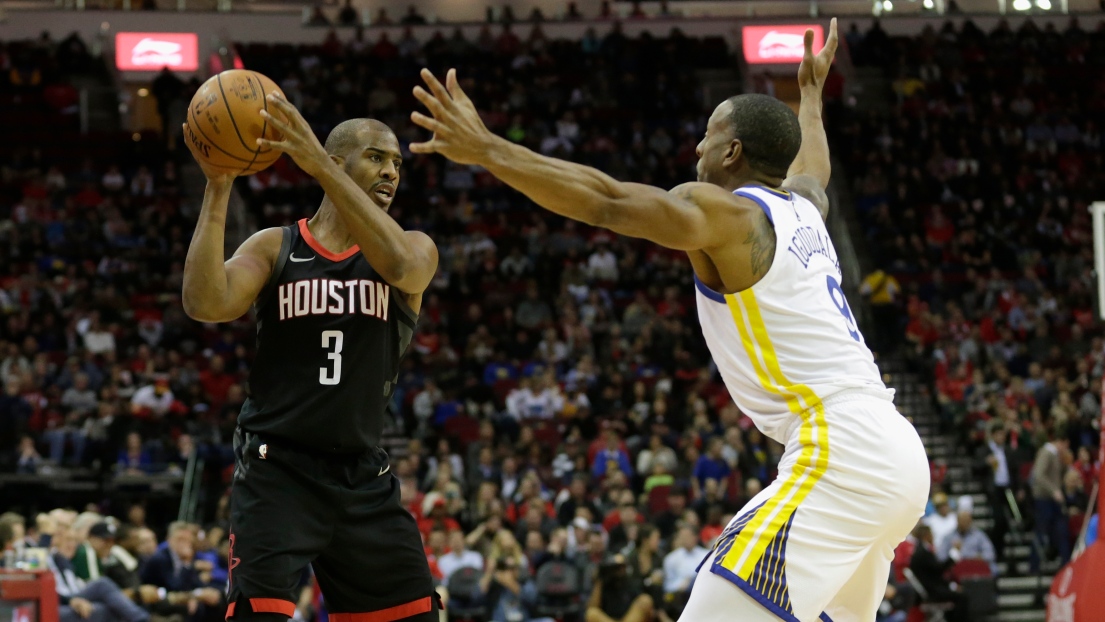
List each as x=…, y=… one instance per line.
x=859, y=599
x=714, y=599
x=865, y=505
x=850, y=475
x=279, y=520
x=375, y=564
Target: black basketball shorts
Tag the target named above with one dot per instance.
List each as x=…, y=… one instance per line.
x=290, y=507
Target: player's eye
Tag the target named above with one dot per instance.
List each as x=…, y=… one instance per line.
x=398, y=164
x=375, y=158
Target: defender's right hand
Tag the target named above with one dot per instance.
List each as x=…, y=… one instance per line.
x=214, y=175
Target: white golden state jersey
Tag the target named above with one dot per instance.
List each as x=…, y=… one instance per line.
x=790, y=341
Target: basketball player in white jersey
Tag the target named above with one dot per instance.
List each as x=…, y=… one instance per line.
x=817, y=543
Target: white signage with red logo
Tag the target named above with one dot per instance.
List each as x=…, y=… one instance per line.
x=782, y=44
x=150, y=51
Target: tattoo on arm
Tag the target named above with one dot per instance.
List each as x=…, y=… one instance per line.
x=761, y=239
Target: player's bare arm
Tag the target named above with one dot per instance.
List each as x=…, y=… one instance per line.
x=216, y=290
x=694, y=219
x=406, y=259
x=809, y=173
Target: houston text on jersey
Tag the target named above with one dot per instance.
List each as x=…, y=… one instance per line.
x=333, y=297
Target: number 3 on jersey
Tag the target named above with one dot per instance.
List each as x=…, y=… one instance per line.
x=837, y=294
x=331, y=342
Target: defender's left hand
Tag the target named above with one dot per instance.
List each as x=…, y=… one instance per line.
x=299, y=139
x=814, y=69
x=459, y=133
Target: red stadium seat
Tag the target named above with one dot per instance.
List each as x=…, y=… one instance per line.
x=658, y=499
x=971, y=569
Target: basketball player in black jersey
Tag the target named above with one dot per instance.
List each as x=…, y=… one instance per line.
x=337, y=297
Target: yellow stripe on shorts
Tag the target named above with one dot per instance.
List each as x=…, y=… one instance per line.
x=749, y=547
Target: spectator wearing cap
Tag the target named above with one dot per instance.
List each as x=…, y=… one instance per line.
x=118, y=565
x=153, y=400
x=435, y=515
x=579, y=534
x=943, y=521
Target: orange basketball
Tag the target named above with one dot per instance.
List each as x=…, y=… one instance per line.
x=224, y=122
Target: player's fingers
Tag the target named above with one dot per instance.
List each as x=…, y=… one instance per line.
x=284, y=107
x=278, y=123
x=429, y=101
x=282, y=104
x=423, y=121
x=429, y=146
x=831, y=42
x=453, y=86
x=265, y=143
x=807, y=42
x=438, y=90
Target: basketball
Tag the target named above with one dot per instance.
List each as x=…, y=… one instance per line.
x=224, y=122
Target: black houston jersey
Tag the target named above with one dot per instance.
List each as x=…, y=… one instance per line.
x=330, y=335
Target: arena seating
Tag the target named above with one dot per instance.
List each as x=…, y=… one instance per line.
x=970, y=192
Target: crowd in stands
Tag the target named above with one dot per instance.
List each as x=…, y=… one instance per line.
x=973, y=194
x=566, y=425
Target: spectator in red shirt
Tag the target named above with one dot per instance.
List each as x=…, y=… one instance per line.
x=216, y=382
x=435, y=515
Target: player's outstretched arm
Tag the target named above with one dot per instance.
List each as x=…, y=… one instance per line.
x=675, y=220
x=810, y=171
x=406, y=259
x=216, y=290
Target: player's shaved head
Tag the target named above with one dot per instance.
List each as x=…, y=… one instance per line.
x=768, y=130
x=350, y=135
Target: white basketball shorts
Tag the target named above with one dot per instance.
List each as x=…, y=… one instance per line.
x=816, y=544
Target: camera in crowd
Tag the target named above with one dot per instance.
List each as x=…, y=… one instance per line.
x=613, y=569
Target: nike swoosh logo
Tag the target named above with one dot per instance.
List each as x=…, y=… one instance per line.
x=299, y=259
x=383, y=469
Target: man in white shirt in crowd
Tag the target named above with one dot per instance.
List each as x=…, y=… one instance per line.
x=681, y=565
x=153, y=399
x=602, y=265
x=995, y=464
x=944, y=521
x=458, y=557
x=97, y=339
x=535, y=398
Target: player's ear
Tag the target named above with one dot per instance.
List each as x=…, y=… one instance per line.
x=340, y=161
x=733, y=152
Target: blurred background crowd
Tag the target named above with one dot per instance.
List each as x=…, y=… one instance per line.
x=558, y=425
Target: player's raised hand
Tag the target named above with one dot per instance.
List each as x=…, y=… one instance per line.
x=217, y=176
x=459, y=133
x=814, y=69
x=299, y=141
